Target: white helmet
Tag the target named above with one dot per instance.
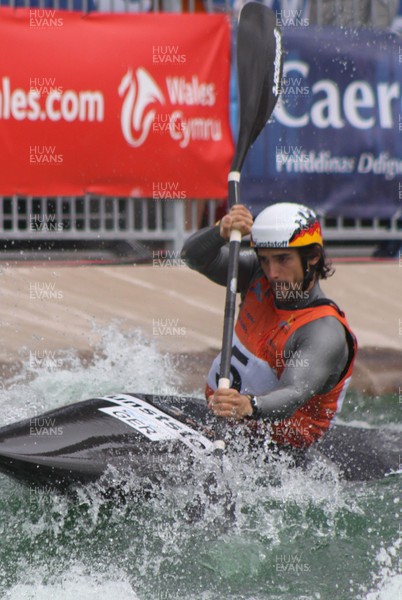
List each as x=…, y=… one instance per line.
x=286, y=225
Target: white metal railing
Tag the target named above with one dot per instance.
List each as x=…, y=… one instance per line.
x=353, y=13
x=370, y=230
x=100, y=218
x=136, y=219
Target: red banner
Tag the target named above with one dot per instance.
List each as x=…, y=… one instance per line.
x=114, y=104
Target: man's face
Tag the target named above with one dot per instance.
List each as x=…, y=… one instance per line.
x=283, y=269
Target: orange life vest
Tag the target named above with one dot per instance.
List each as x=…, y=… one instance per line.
x=259, y=359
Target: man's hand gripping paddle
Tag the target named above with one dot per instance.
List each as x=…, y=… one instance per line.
x=259, y=67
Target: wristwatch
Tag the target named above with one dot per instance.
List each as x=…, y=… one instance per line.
x=254, y=405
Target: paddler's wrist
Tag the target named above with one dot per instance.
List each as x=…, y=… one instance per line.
x=255, y=411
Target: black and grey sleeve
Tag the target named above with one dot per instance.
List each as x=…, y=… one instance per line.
x=314, y=357
x=208, y=253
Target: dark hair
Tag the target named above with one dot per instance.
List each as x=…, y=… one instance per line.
x=323, y=268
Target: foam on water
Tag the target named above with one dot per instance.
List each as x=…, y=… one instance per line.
x=163, y=549
x=121, y=362
x=77, y=584
x=388, y=578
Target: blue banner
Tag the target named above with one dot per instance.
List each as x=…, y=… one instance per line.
x=335, y=139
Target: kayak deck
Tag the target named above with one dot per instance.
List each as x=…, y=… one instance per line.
x=143, y=433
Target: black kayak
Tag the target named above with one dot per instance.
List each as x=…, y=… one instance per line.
x=146, y=434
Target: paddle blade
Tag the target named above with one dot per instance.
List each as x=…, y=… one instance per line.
x=259, y=66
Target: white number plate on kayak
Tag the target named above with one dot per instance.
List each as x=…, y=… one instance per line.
x=152, y=422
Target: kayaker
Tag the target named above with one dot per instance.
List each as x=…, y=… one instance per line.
x=293, y=350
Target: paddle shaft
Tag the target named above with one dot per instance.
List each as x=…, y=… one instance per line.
x=231, y=285
x=259, y=65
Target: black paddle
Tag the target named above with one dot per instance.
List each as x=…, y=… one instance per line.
x=259, y=67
